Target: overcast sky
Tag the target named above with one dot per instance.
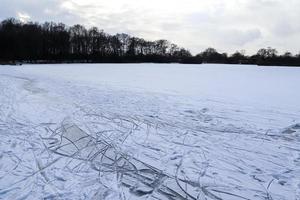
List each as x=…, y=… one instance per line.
x=227, y=25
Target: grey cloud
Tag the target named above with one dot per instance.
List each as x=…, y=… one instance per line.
x=225, y=25
x=285, y=28
x=46, y=10
x=241, y=37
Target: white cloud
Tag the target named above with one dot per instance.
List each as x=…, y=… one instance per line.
x=23, y=17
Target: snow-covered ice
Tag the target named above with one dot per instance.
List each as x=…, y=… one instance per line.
x=149, y=131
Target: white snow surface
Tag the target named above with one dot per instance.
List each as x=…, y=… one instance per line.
x=149, y=131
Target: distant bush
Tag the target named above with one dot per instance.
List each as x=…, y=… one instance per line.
x=56, y=43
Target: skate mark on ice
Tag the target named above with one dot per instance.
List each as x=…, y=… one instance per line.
x=138, y=177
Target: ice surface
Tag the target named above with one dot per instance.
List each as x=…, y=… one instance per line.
x=149, y=131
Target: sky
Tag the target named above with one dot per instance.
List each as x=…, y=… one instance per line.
x=227, y=25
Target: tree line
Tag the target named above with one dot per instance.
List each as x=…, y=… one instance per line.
x=56, y=43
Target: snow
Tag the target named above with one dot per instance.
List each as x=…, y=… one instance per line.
x=149, y=131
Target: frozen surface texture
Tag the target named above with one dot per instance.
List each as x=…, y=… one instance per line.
x=146, y=131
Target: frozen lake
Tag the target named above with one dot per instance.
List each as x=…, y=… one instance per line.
x=149, y=131
x=276, y=86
